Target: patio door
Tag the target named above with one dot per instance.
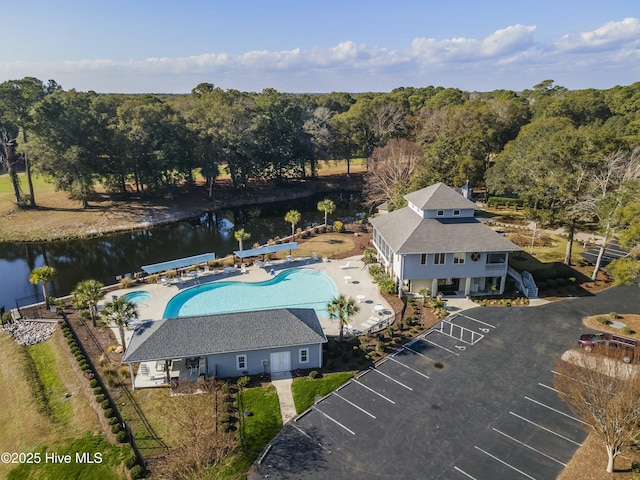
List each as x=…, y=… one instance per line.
x=280, y=362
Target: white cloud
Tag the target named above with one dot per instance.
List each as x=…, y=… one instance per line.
x=508, y=40
x=506, y=58
x=611, y=35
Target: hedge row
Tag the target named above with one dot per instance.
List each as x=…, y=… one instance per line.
x=110, y=412
x=505, y=202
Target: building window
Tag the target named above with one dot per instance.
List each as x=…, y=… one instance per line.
x=456, y=213
x=496, y=258
x=423, y=259
x=440, y=213
x=459, y=257
x=304, y=355
x=241, y=362
x=439, y=258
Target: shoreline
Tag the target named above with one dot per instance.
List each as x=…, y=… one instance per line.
x=106, y=217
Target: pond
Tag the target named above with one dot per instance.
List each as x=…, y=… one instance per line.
x=103, y=258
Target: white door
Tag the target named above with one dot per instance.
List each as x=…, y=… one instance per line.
x=280, y=362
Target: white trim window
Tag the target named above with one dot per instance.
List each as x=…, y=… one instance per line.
x=241, y=362
x=459, y=257
x=303, y=355
x=439, y=258
x=440, y=213
x=423, y=259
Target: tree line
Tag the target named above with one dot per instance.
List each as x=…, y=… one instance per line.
x=565, y=154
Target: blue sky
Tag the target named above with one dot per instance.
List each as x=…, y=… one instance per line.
x=320, y=46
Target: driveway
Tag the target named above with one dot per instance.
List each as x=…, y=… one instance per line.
x=472, y=399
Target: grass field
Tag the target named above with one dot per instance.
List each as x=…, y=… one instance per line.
x=54, y=422
x=306, y=390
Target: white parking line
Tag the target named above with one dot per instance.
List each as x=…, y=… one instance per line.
x=548, y=387
x=353, y=404
x=465, y=473
x=313, y=440
x=390, y=378
x=404, y=347
x=545, y=429
x=372, y=390
x=476, y=320
x=505, y=463
x=557, y=411
x=530, y=448
x=333, y=420
x=439, y=346
x=390, y=357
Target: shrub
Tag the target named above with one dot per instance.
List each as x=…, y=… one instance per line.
x=105, y=404
x=131, y=462
x=225, y=426
x=93, y=383
x=100, y=398
x=313, y=374
x=603, y=320
x=627, y=331
x=108, y=413
x=97, y=390
x=122, y=437
x=115, y=428
x=338, y=226
x=137, y=472
x=224, y=388
x=614, y=315
x=224, y=418
x=380, y=347
x=244, y=381
x=113, y=420
x=228, y=399
x=228, y=407
x=125, y=283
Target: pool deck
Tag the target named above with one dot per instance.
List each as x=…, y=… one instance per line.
x=350, y=275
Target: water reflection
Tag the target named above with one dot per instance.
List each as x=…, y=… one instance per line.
x=103, y=258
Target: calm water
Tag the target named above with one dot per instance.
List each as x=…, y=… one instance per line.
x=102, y=258
x=294, y=288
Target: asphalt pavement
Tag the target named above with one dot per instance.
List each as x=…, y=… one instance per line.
x=472, y=398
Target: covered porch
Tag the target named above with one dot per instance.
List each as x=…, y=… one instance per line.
x=168, y=372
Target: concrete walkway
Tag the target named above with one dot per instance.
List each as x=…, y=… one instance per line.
x=282, y=381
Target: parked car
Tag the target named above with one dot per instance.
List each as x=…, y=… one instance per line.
x=612, y=345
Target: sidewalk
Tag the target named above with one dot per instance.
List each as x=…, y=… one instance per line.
x=282, y=381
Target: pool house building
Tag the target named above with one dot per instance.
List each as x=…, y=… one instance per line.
x=225, y=345
x=437, y=243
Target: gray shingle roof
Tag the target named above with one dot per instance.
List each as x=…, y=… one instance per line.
x=438, y=196
x=223, y=333
x=406, y=233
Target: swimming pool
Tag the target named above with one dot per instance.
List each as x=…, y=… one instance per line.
x=138, y=297
x=293, y=288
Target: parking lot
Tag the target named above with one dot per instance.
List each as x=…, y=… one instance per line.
x=472, y=398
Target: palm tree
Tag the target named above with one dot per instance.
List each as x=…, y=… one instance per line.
x=43, y=275
x=87, y=294
x=241, y=235
x=328, y=207
x=340, y=308
x=293, y=217
x=120, y=311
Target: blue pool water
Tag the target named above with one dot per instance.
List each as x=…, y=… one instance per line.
x=294, y=288
x=138, y=297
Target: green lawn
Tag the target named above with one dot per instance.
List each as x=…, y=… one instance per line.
x=48, y=387
x=107, y=461
x=305, y=390
x=255, y=430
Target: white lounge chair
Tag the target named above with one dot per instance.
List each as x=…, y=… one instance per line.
x=243, y=268
x=346, y=265
x=314, y=256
